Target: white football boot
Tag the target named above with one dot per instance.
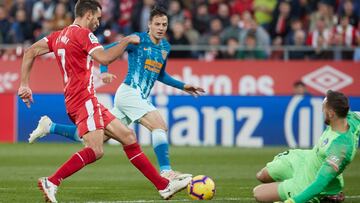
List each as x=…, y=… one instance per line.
x=41, y=130
x=48, y=188
x=175, y=185
x=170, y=174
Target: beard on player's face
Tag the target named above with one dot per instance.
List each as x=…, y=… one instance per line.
x=94, y=26
x=328, y=117
x=94, y=20
x=327, y=121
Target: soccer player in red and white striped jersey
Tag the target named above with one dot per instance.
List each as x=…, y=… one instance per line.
x=75, y=47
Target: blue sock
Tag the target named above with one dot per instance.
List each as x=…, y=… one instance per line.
x=68, y=131
x=161, y=147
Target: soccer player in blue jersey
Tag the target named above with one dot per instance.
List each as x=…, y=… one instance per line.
x=146, y=65
x=314, y=175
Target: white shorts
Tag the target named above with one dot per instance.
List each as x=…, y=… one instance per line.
x=129, y=106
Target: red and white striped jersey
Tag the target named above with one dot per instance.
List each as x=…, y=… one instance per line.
x=72, y=47
x=348, y=34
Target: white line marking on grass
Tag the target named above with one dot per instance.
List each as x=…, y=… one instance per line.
x=177, y=200
x=235, y=199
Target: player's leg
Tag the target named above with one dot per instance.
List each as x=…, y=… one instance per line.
x=91, y=129
x=47, y=126
x=126, y=136
x=92, y=151
x=137, y=109
x=156, y=124
x=281, y=191
x=278, y=191
x=264, y=176
x=279, y=169
x=267, y=192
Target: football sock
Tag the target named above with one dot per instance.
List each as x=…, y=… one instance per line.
x=68, y=131
x=71, y=166
x=142, y=163
x=161, y=147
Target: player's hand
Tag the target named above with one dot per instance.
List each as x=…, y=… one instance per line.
x=289, y=201
x=25, y=94
x=107, y=77
x=134, y=39
x=194, y=91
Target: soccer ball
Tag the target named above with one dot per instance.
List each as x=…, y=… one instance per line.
x=201, y=188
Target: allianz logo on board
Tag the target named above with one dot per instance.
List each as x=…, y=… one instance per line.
x=326, y=78
x=310, y=122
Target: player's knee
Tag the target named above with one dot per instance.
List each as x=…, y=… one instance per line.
x=263, y=176
x=99, y=152
x=256, y=193
x=163, y=127
x=159, y=127
x=259, y=197
x=129, y=137
x=258, y=176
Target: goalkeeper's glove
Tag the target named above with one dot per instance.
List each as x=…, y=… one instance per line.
x=289, y=201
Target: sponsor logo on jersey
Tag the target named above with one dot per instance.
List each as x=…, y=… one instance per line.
x=325, y=142
x=334, y=162
x=93, y=39
x=153, y=66
x=164, y=54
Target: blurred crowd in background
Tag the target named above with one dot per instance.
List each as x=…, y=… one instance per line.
x=229, y=29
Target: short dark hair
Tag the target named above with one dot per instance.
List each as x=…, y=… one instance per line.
x=83, y=6
x=251, y=34
x=299, y=83
x=338, y=102
x=157, y=11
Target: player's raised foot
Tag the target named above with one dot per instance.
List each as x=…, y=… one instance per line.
x=170, y=174
x=48, y=188
x=41, y=130
x=175, y=185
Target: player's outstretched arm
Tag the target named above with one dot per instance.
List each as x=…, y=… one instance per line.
x=325, y=175
x=39, y=48
x=334, y=165
x=105, y=57
x=193, y=90
x=105, y=76
x=168, y=80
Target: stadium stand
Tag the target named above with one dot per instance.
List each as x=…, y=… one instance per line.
x=204, y=29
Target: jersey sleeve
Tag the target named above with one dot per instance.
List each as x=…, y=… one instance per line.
x=89, y=41
x=104, y=68
x=50, y=39
x=165, y=78
x=334, y=164
x=132, y=47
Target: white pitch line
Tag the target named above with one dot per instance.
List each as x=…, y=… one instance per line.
x=188, y=200
x=177, y=200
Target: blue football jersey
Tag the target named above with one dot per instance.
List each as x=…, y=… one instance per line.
x=146, y=60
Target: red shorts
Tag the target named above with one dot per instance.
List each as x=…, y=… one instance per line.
x=91, y=116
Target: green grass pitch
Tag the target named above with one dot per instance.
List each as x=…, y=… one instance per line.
x=113, y=179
